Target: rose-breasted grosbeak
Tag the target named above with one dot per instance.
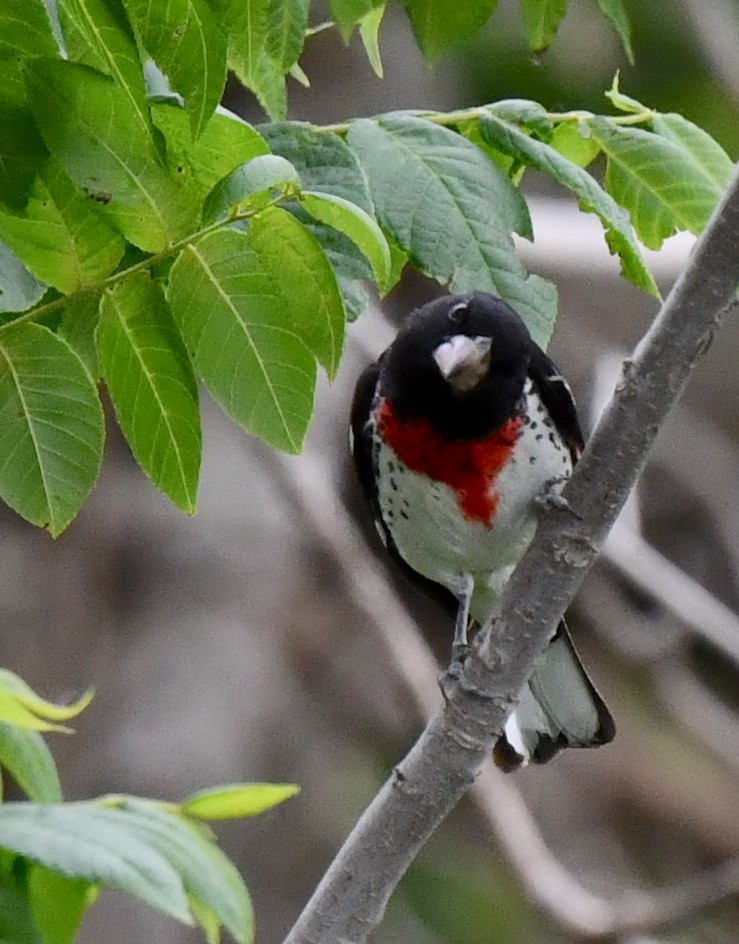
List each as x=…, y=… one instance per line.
x=460, y=426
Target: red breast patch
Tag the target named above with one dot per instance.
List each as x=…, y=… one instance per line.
x=468, y=468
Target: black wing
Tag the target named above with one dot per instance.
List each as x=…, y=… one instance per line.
x=557, y=397
x=363, y=403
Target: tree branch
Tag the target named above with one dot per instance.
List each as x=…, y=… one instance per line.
x=350, y=900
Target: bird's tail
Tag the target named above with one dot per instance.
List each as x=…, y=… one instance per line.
x=559, y=707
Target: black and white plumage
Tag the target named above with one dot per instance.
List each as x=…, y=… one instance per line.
x=459, y=427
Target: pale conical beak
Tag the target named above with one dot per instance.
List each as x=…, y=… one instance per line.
x=463, y=361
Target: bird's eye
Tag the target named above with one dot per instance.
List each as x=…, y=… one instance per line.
x=457, y=312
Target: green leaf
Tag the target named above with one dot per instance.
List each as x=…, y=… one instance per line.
x=207, y=876
x=25, y=32
x=187, y=44
x=541, y=19
x=226, y=142
x=237, y=800
x=24, y=754
x=60, y=235
x=323, y=161
x=97, y=34
x=19, y=290
x=77, y=325
x=369, y=30
x=22, y=154
x=87, y=122
x=662, y=185
x=359, y=226
x=287, y=22
x=152, y=385
x=250, y=39
x=58, y=904
x=246, y=350
x=260, y=175
x=51, y=427
x=702, y=150
x=440, y=25
x=327, y=165
x=453, y=210
x=619, y=234
x=296, y=263
x=96, y=845
x=615, y=12
x=349, y=13
x=247, y=32
x=17, y=925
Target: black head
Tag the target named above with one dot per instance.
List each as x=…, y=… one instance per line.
x=459, y=363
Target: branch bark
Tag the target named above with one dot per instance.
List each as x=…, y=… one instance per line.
x=350, y=900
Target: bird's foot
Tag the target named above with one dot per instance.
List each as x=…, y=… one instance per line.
x=550, y=497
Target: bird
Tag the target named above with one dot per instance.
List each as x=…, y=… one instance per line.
x=457, y=431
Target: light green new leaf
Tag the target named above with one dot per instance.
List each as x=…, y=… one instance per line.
x=184, y=39
x=88, y=124
x=359, y=226
x=660, y=182
x=225, y=143
x=440, y=25
x=19, y=290
x=541, y=19
x=14, y=689
x=24, y=754
x=453, y=210
x=51, y=427
x=618, y=232
x=615, y=12
x=152, y=385
x=575, y=142
x=60, y=234
x=58, y=904
x=96, y=845
x=297, y=264
x=237, y=800
x=236, y=322
x=260, y=175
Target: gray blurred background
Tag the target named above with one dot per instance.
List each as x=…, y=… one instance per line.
x=250, y=642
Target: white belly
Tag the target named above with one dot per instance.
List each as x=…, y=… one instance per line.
x=435, y=537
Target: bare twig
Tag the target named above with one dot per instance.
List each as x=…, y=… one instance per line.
x=674, y=589
x=350, y=901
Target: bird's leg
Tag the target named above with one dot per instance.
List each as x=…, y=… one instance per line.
x=460, y=643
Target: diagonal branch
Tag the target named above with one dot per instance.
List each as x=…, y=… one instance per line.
x=350, y=900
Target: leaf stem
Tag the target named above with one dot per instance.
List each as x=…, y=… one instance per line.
x=445, y=119
x=49, y=308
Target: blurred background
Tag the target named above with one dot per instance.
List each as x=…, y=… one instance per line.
x=265, y=639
